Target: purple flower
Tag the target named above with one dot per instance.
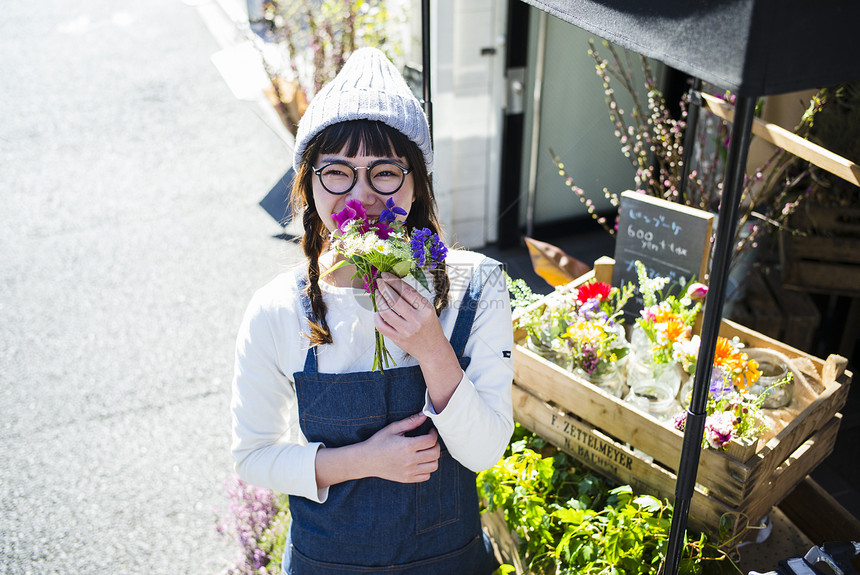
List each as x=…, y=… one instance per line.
x=421, y=240
x=382, y=229
x=252, y=511
x=589, y=307
x=680, y=420
x=438, y=251
x=720, y=385
x=417, y=245
x=590, y=361
x=367, y=282
x=390, y=213
x=353, y=211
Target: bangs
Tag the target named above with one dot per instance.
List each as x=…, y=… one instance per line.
x=371, y=137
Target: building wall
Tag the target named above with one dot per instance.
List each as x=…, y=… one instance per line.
x=467, y=88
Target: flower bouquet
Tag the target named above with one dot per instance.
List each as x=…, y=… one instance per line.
x=665, y=321
x=384, y=245
x=545, y=326
x=596, y=336
x=653, y=372
x=732, y=412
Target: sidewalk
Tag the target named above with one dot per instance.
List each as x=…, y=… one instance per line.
x=130, y=242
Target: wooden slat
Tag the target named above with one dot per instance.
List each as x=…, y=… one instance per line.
x=504, y=542
x=810, y=419
x=766, y=315
x=603, y=269
x=801, y=315
x=827, y=221
x=822, y=277
x=605, y=455
x=753, y=338
x=820, y=249
x=791, y=142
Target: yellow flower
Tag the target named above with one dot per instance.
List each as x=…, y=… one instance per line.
x=585, y=331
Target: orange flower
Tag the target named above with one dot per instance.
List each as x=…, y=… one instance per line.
x=742, y=370
x=723, y=353
x=676, y=329
x=750, y=375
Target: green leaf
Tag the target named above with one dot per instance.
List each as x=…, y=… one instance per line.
x=621, y=495
x=588, y=551
x=649, y=503
x=402, y=268
x=611, y=547
x=570, y=516
x=418, y=274
x=336, y=266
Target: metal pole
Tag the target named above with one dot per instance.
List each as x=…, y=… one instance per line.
x=425, y=62
x=689, y=462
x=695, y=95
x=537, y=102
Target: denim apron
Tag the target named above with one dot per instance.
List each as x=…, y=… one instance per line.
x=372, y=525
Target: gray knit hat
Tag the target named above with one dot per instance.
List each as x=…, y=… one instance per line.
x=368, y=87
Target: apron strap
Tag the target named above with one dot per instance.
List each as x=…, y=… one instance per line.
x=311, y=357
x=469, y=305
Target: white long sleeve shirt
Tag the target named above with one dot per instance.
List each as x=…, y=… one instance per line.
x=268, y=445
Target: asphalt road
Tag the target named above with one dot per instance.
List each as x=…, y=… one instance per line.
x=130, y=243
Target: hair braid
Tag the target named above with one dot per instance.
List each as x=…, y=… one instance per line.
x=312, y=243
x=442, y=283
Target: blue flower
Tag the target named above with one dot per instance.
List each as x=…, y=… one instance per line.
x=417, y=245
x=391, y=211
x=438, y=251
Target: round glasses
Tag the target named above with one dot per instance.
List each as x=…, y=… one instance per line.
x=385, y=176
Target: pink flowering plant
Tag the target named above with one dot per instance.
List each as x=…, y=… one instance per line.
x=384, y=245
x=257, y=522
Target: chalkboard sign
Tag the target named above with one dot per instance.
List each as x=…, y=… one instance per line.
x=671, y=240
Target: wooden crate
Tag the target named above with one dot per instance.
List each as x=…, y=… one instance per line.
x=827, y=258
x=741, y=484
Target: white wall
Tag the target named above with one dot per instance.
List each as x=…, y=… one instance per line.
x=467, y=90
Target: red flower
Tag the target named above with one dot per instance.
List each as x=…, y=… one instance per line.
x=592, y=290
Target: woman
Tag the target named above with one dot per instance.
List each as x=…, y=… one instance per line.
x=380, y=466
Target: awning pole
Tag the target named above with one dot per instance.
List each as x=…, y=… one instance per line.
x=693, y=108
x=425, y=62
x=696, y=413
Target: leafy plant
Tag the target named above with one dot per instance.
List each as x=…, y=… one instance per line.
x=315, y=38
x=571, y=522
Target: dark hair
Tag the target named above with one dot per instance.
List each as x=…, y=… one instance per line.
x=376, y=139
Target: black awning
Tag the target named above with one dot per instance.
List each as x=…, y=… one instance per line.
x=752, y=47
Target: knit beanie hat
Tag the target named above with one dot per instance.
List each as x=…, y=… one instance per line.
x=368, y=87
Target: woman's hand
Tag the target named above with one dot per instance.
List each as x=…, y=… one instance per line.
x=409, y=320
x=406, y=317
x=395, y=457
